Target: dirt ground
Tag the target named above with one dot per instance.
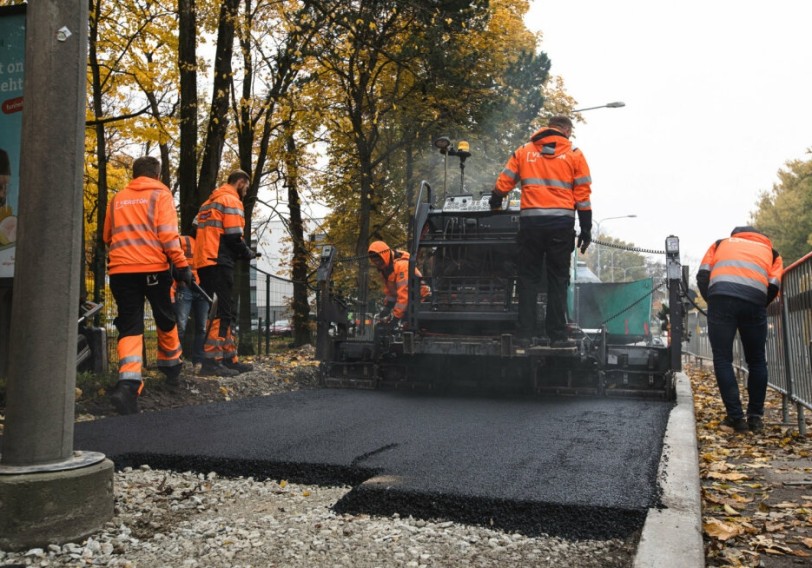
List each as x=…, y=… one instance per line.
x=287, y=370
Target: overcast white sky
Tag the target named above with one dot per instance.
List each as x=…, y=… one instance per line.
x=718, y=98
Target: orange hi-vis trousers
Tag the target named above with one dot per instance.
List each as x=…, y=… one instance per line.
x=220, y=343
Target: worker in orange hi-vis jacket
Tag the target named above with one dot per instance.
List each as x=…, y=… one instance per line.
x=393, y=266
x=141, y=231
x=219, y=245
x=738, y=278
x=556, y=186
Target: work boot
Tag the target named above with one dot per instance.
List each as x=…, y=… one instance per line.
x=172, y=374
x=755, y=423
x=216, y=369
x=237, y=366
x=125, y=396
x=738, y=424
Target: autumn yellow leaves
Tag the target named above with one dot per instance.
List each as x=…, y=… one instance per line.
x=756, y=488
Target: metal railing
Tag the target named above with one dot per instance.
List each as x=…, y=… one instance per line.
x=789, y=341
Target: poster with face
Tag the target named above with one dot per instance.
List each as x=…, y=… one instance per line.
x=12, y=59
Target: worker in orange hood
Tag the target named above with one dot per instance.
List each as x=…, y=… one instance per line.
x=393, y=265
x=141, y=231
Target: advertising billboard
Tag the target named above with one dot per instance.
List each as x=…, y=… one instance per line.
x=12, y=58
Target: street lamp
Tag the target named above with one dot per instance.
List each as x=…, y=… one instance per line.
x=615, y=104
x=598, y=235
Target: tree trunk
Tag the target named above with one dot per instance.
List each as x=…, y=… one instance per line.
x=99, y=249
x=218, y=118
x=301, y=308
x=187, y=65
x=163, y=148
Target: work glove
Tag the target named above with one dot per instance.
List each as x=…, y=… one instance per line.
x=183, y=275
x=495, y=201
x=583, y=241
x=254, y=254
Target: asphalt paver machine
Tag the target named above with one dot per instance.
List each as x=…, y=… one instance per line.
x=465, y=334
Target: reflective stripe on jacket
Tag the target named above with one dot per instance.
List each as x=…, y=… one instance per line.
x=743, y=266
x=221, y=222
x=141, y=229
x=187, y=245
x=554, y=179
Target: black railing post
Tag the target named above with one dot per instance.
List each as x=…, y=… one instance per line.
x=267, y=314
x=674, y=276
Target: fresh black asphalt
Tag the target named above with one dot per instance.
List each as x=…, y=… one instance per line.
x=581, y=467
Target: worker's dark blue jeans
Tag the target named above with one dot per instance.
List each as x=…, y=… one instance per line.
x=188, y=300
x=726, y=316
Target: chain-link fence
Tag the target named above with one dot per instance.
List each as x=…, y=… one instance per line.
x=789, y=341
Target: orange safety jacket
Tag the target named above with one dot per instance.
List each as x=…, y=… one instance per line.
x=187, y=245
x=744, y=266
x=221, y=222
x=395, y=283
x=554, y=179
x=141, y=229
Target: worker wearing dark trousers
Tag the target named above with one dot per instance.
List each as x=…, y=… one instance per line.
x=190, y=300
x=219, y=245
x=141, y=231
x=129, y=291
x=219, y=339
x=538, y=245
x=738, y=278
x=556, y=185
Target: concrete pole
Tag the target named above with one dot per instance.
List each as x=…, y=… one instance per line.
x=48, y=492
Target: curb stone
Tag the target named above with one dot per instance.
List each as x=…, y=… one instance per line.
x=672, y=535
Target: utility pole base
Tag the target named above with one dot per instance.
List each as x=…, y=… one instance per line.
x=37, y=509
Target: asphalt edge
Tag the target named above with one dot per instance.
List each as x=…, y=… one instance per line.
x=672, y=535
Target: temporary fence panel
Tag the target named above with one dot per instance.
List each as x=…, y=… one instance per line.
x=796, y=319
x=625, y=308
x=789, y=340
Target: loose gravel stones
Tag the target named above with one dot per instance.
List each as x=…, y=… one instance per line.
x=192, y=520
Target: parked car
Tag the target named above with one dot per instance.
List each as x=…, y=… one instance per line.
x=281, y=328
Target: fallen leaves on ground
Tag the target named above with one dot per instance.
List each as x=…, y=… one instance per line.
x=756, y=503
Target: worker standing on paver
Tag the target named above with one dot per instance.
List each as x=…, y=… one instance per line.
x=738, y=278
x=141, y=231
x=556, y=184
x=219, y=245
